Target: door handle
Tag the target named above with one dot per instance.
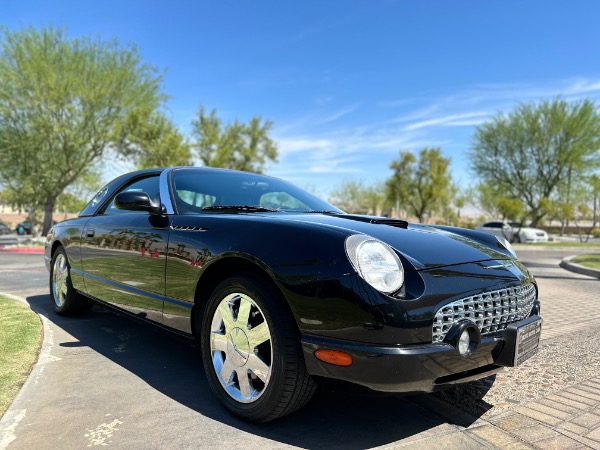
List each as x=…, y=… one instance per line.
x=89, y=232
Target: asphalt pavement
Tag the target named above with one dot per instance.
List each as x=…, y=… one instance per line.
x=106, y=380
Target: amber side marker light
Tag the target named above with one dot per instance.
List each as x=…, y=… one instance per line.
x=334, y=357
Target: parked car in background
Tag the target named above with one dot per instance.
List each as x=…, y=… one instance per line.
x=281, y=288
x=497, y=228
x=521, y=233
x=4, y=229
x=23, y=228
x=514, y=231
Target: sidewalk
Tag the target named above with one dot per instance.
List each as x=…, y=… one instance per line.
x=565, y=419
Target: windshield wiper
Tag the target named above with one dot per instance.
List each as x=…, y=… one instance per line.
x=322, y=212
x=241, y=208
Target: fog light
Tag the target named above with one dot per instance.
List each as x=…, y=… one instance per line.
x=464, y=342
x=464, y=336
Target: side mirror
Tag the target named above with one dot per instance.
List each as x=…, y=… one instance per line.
x=136, y=201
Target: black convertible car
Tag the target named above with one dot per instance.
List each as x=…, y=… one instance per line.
x=282, y=288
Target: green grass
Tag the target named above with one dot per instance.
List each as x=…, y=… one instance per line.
x=20, y=337
x=591, y=261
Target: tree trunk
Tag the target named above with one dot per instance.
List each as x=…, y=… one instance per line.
x=568, y=194
x=48, y=211
x=31, y=218
x=535, y=219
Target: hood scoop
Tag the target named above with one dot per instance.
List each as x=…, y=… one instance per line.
x=376, y=220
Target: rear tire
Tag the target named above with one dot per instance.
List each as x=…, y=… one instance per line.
x=251, y=351
x=65, y=299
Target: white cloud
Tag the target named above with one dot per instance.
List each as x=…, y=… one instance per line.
x=330, y=170
x=341, y=113
x=502, y=96
x=302, y=144
x=450, y=120
x=582, y=86
x=320, y=153
x=416, y=115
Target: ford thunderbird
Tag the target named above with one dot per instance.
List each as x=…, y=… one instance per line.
x=282, y=289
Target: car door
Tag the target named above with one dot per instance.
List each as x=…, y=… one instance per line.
x=124, y=254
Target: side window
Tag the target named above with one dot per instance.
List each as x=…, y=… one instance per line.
x=195, y=199
x=149, y=185
x=282, y=200
x=494, y=224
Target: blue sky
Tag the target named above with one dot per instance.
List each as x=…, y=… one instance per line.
x=349, y=83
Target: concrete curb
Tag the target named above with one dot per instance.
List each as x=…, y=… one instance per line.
x=577, y=268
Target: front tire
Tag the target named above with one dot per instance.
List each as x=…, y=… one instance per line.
x=251, y=351
x=65, y=299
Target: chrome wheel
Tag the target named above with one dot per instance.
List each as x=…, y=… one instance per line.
x=241, y=348
x=60, y=275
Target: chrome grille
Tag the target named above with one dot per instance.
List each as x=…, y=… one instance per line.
x=490, y=311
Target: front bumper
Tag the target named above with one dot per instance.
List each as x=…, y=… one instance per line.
x=414, y=368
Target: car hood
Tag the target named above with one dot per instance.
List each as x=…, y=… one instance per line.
x=424, y=246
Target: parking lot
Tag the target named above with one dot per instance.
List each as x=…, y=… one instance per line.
x=107, y=380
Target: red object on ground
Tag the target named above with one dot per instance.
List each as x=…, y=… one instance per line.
x=23, y=250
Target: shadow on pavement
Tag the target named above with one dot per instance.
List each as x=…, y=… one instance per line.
x=335, y=417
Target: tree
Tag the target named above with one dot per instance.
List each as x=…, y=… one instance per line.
x=236, y=145
x=582, y=207
x=63, y=103
x=354, y=197
x=486, y=198
x=153, y=141
x=594, y=184
x=497, y=203
x=511, y=208
x=76, y=196
x=69, y=203
x=532, y=151
x=422, y=185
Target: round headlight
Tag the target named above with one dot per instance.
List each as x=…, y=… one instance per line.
x=375, y=262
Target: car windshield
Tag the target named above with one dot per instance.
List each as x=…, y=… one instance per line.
x=201, y=190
